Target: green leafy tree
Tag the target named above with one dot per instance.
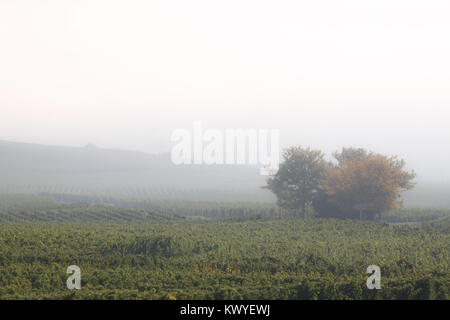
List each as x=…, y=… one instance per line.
x=297, y=181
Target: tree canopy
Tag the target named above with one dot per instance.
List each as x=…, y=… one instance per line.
x=359, y=184
x=298, y=179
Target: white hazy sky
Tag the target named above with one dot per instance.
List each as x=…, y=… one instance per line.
x=327, y=73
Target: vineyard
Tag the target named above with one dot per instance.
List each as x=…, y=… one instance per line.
x=163, y=250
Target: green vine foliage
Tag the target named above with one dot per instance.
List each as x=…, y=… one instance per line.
x=143, y=253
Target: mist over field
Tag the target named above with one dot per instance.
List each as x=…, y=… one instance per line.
x=328, y=74
x=103, y=166
x=30, y=168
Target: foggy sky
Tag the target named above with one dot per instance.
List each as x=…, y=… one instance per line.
x=327, y=73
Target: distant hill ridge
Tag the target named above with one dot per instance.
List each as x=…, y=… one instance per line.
x=95, y=170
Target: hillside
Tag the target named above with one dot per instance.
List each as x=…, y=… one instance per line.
x=29, y=168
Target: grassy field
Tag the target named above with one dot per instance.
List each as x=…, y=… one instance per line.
x=136, y=254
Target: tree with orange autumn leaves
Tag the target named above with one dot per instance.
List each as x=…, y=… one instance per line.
x=364, y=184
